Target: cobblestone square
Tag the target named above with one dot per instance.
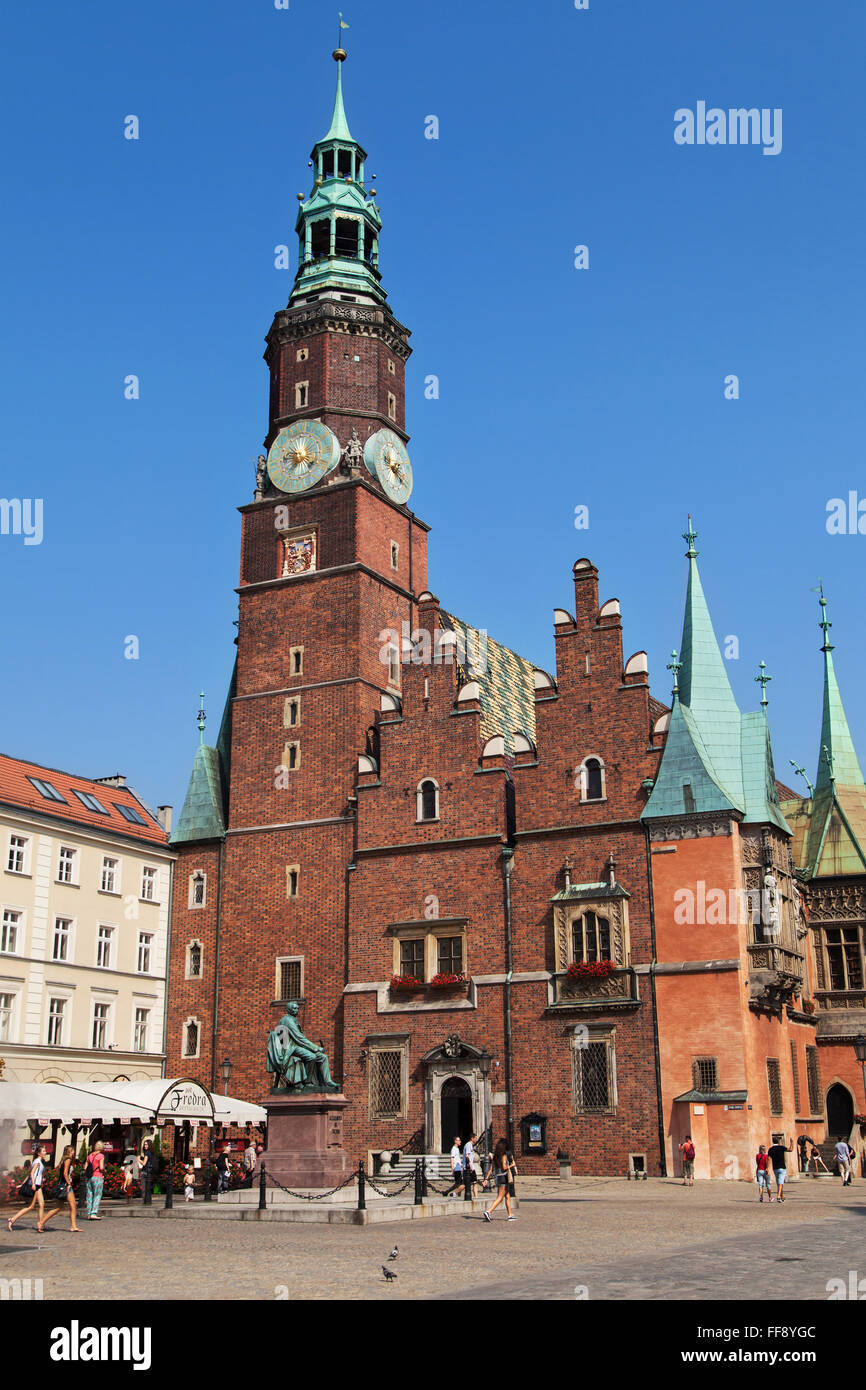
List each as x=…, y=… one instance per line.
x=585, y=1239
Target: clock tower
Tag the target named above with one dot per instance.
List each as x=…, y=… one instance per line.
x=332, y=560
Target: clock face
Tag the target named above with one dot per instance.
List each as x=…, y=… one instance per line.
x=301, y=454
x=385, y=456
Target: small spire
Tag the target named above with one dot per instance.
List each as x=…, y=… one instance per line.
x=824, y=622
x=675, y=666
x=691, y=536
x=611, y=870
x=801, y=772
x=567, y=868
x=764, y=680
x=201, y=718
x=339, y=128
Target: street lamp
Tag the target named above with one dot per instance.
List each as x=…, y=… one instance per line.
x=225, y=1073
x=484, y=1062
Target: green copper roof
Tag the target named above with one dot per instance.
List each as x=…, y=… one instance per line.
x=715, y=758
x=202, y=814
x=339, y=127
x=842, y=765
x=507, y=691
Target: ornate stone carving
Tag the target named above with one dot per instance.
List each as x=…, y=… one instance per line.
x=613, y=910
x=614, y=987
x=691, y=829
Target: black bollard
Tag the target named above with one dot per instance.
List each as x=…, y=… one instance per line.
x=263, y=1196
x=417, y=1182
x=362, y=1201
x=467, y=1184
x=169, y=1186
x=207, y=1189
x=423, y=1163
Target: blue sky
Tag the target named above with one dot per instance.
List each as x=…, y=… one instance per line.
x=558, y=387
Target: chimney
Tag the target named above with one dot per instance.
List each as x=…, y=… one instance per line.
x=163, y=815
x=118, y=780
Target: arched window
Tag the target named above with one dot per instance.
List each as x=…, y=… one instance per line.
x=590, y=938
x=191, y=1037
x=197, y=889
x=193, y=960
x=428, y=799
x=592, y=780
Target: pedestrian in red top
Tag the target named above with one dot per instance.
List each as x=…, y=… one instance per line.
x=94, y=1171
x=762, y=1173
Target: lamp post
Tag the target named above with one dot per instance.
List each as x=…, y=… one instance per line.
x=484, y=1062
x=226, y=1074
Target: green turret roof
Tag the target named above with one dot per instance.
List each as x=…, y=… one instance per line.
x=715, y=758
x=339, y=127
x=830, y=826
x=204, y=814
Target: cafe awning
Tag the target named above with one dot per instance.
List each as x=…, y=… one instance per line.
x=150, y=1102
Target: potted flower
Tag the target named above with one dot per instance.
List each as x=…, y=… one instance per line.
x=590, y=969
x=405, y=984
x=444, y=980
x=808, y=1006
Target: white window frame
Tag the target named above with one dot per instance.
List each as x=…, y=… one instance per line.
x=145, y=942
x=19, y=929
x=200, y=944
x=110, y=875
x=296, y=870
x=191, y=1018
x=63, y=999
x=196, y=874
x=584, y=779
x=394, y=673
x=144, y=1024
x=71, y=863
x=67, y=959
x=419, y=802
x=152, y=882
x=22, y=848
x=105, y=1022
x=395, y=555
x=296, y=652
x=10, y=1034
x=101, y=940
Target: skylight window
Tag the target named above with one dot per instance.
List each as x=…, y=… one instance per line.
x=129, y=813
x=47, y=790
x=89, y=800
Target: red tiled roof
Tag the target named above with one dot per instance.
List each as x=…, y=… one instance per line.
x=16, y=790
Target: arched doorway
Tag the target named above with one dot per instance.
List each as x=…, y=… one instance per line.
x=456, y=1111
x=840, y=1111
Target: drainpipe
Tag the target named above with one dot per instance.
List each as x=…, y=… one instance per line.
x=171, y=865
x=216, y=978
x=507, y=857
x=658, y=1066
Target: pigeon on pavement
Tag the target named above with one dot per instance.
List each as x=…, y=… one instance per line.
x=388, y=1273
x=394, y=1253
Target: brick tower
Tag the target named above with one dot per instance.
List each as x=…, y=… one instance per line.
x=331, y=557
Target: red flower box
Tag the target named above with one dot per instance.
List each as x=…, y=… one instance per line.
x=406, y=982
x=447, y=981
x=590, y=969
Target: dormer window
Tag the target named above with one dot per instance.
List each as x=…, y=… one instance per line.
x=428, y=799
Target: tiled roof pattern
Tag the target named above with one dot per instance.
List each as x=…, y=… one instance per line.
x=507, y=691
x=16, y=790
x=829, y=832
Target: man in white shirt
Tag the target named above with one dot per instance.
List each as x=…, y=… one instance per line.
x=843, y=1158
x=470, y=1177
x=456, y=1167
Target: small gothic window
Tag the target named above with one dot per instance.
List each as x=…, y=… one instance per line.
x=190, y=1039
x=197, y=890
x=392, y=405
x=428, y=801
x=194, y=960
x=301, y=390
x=594, y=789
x=590, y=938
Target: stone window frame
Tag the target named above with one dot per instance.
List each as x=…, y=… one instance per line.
x=420, y=818
x=814, y=1088
x=795, y=1077
x=395, y=555
x=187, y=973
x=13, y=850
x=302, y=354
x=589, y=910
x=286, y=762
x=69, y=957
x=392, y=368
x=582, y=778
x=302, y=395
x=580, y=1038
x=107, y=941
x=12, y=991
x=66, y=997
x=111, y=872
x=147, y=946
x=565, y=914
x=430, y=932
x=145, y=1022
x=291, y=893
x=19, y=927
x=296, y=653
x=73, y=861
x=774, y=1087
x=152, y=882
x=288, y=703
x=394, y=665
x=392, y=406
x=107, y=1022
x=375, y=1045
x=185, y=1054
x=279, y=961
x=195, y=876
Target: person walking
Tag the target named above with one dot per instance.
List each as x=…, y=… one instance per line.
x=65, y=1189
x=762, y=1173
x=504, y=1171
x=189, y=1184
x=223, y=1171
x=456, y=1167
x=94, y=1174
x=249, y=1163
x=470, y=1176
x=687, y=1151
x=843, y=1161
x=33, y=1182
x=779, y=1164
x=147, y=1167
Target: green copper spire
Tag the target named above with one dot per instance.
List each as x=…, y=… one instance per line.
x=837, y=759
x=201, y=718
x=338, y=225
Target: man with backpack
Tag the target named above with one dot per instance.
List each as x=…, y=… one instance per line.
x=687, y=1152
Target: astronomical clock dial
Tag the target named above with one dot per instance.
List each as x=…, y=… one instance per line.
x=301, y=454
x=385, y=456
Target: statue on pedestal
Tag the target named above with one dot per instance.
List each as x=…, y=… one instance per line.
x=261, y=467
x=353, y=454
x=296, y=1062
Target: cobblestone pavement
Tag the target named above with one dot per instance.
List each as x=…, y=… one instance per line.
x=589, y=1238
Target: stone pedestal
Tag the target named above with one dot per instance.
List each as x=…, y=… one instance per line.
x=305, y=1139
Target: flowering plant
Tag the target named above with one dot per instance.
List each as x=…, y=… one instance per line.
x=590, y=969
x=443, y=980
x=860, y=1119
x=808, y=1006
x=406, y=982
